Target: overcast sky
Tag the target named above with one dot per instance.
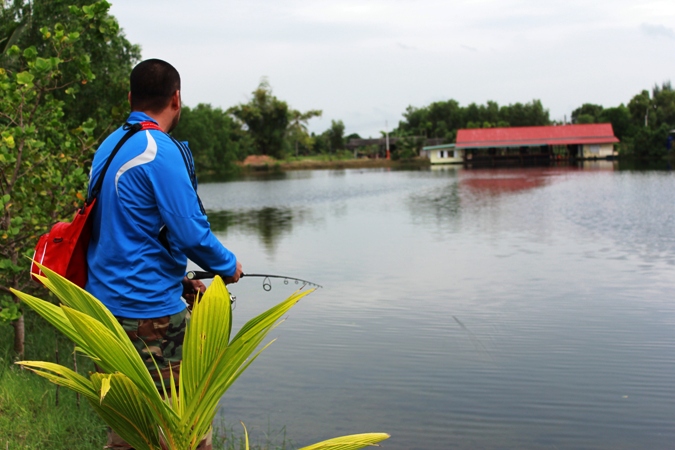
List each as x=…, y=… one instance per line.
x=364, y=62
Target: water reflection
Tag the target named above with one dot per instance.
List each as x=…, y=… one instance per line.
x=473, y=188
x=270, y=224
x=498, y=182
x=437, y=204
x=599, y=165
x=640, y=165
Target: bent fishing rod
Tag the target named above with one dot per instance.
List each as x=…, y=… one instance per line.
x=267, y=283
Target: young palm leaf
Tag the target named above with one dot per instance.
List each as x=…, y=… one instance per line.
x=353, y=442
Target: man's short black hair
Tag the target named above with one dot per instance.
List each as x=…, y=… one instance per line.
x=153, y=83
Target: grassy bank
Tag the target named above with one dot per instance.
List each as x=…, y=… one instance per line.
x=361, y=163
x=30, y=418
x=316, y=162
x=34, y=414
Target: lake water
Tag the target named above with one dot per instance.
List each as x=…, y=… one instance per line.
x=461, y=309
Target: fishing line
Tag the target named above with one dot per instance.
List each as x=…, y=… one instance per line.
x=473, y=338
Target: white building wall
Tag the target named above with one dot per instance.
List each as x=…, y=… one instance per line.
x=448, y=156
x=597, y=150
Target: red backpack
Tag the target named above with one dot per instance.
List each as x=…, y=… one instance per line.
x=64, y=248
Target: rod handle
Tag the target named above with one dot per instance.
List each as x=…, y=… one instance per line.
x=202, y=275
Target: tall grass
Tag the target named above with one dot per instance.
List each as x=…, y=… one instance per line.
x=231, y=437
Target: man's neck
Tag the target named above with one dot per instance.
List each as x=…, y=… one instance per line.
x=164, y=119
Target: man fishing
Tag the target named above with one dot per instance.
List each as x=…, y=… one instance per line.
x=148, y=221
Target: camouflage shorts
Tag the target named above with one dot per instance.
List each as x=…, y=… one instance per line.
x=161, y=339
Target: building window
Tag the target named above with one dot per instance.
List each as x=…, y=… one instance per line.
x=595, y=149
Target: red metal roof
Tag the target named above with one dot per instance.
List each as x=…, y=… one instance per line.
x=597, y=133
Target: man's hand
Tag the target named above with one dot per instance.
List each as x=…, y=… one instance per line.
x=190, y=289
x=237, y=274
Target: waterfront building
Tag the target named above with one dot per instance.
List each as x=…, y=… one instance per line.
x=527, y=144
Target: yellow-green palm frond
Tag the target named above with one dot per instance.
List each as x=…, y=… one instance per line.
x=352, y=442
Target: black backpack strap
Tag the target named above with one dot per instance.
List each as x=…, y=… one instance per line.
x=131, y=130
x=190, y=166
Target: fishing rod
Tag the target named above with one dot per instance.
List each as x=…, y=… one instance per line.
x=267, y=283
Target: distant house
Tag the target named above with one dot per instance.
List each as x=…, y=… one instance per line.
x=443, y=154
x=588, y=141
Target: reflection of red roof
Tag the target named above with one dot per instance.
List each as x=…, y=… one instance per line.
x=505, y=181
x=495, y=182
x=597, y=133
x=503, y=185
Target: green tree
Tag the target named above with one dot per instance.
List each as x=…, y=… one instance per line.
x=651, y=143
x=42, y=159
x=652, y=117
x=525, y=115
x=266, y=118
x=587, y=113
x=336, y=134
x=320, y=143
x=407, y=147
x=639, y=107
x=12, y=26
x=413, y=118
x=584, y=119
x=214, y=137
x=110, y=56
x=664, y=105
x=297, y=128
x=620, y=119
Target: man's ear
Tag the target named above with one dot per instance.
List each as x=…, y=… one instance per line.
x=129, y=98
x=175, y=100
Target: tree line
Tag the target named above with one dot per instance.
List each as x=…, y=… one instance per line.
x=265, y=125
x=643, y=126
x=442, y=119
x=268, y=126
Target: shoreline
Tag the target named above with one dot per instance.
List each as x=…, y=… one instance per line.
x=308, y=164
x=270, y=165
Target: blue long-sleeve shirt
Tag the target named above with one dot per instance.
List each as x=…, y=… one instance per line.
x=147, y=187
